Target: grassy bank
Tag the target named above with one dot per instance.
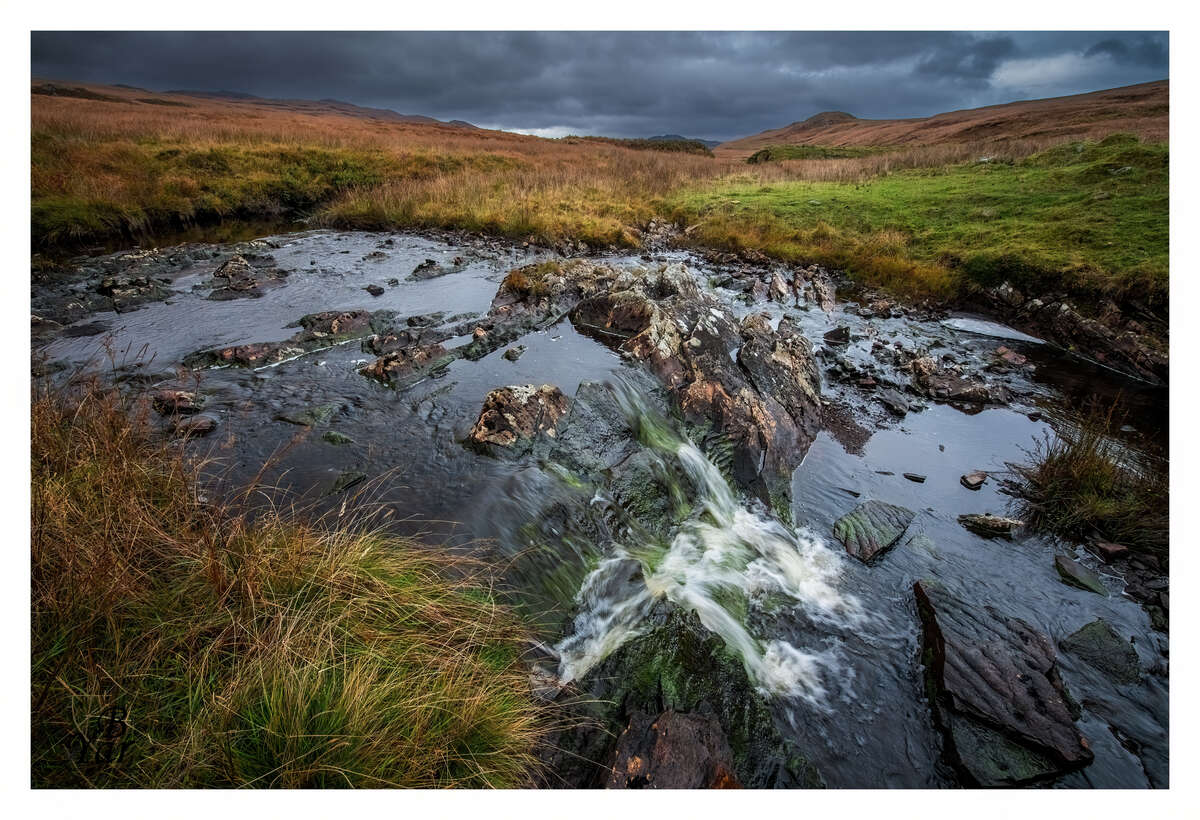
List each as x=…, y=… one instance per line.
x=177, y=644
x=103, y=170
x=1083, y=484
x=1088, y=217
x=923, y=220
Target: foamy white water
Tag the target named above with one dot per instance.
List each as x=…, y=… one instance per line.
x=723, y=561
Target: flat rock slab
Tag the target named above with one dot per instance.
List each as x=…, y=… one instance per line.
x=673, y=751
x=990, y=526
x=1076, y=574
x=1098, y=645
x=872, y=527
x=997, y=691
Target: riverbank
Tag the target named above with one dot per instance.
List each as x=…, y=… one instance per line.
x=179, y=642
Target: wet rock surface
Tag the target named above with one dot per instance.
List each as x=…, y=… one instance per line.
x=673, y=751
x=1099, y=646
x=990, y=526
x=998, y=694
x=1077, y=575
x=872, y=528
x=516, y=413
x=728, y=355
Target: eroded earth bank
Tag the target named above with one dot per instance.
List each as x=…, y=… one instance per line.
x=758, y=517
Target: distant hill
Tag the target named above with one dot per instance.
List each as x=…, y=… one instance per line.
x=120, y=93
x=1142, y=109
x=311, y=106
x=677, y=138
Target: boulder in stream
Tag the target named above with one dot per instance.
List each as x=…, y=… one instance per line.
x=673, y=750
x=990, y=526
x=996, y=692
x=871, y=528
x=517, y=413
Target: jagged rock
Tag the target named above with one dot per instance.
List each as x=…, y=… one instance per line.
x=397, y=366
x=319, y=331
x=779, y=290
x=195, y=426
x=1121, y=345
x=759, y=291
x=394, y=340
x=996, y=692
x=973, y=480
x=128, y=292
x=1011, y=356
x=838, y=336
x=931, y=380
x=1076, y=574
x=514, y=353
x=518, y=412
x=177, y=402
x=895, y=401
x=236, y=278
x=1098, y=645
x=990, y=526
x=781, y=365
x=871, y=528
x=672, y=751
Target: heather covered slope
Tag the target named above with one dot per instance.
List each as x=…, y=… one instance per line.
x=1140, y=109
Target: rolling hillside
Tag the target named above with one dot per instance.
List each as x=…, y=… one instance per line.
x=1140, y=109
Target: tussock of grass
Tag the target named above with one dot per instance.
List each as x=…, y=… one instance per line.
x=248, y=653
x=1083, y=484
x=1086, y=217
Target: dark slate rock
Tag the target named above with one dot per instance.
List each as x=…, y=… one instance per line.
x=1076, y=574
x=1098, y=645
x=996, y=692
x=872, y=527
x=672, y=751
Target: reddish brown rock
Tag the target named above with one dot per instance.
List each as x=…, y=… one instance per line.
x=1109, y=551
x=673, y=751
x=516, y=413
x=399, y=364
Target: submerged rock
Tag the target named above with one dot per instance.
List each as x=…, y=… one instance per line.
x=1076, y=574
x=871, y=528
x=996, y=692
x=990, y=526
x=515, y=413
x=1098, y=645
x=677, y=666
x=196, y=426
x=672, y=751
x=318, y=331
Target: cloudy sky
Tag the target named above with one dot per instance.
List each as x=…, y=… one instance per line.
x=712, y=85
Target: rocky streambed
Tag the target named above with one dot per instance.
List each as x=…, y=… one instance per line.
x=757, y=517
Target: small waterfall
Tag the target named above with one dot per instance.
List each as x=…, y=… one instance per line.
x=725, y=559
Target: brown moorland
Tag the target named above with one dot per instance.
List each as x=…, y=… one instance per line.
x=1139, y=109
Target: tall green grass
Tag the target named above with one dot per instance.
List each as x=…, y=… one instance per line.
x=1086, y=217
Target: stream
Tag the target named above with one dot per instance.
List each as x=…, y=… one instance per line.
x=831, y=643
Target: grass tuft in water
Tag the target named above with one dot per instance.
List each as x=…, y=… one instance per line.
x=1083, y=484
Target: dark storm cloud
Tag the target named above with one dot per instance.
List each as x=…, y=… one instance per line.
x=705, y=84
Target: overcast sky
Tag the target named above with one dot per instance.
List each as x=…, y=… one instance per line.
x=699, y=84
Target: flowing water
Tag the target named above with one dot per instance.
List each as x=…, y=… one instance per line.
x=831, y=642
